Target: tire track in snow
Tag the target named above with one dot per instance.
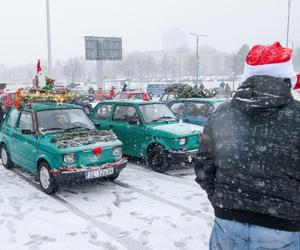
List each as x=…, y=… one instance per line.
x=163, y=176
x=112, y=231
x=189, y=211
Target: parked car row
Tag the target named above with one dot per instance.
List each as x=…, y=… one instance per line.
x=59, y=143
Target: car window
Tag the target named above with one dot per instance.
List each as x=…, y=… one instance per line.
x=137, y=96
x=62, y=119
x=171, y=97
x=103, y=112
x=118, y=96
x=13, y=116
x=199, y=109
x=25, y=121
x=178, y=108
x=164, y=98
x=124, y=113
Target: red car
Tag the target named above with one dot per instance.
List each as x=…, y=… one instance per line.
x=8, y=100
x=102, y=95
x=133, y=95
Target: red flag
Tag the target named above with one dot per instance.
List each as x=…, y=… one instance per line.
x=38, y=67
x=297, y=85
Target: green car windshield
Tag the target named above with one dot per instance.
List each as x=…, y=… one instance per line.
x=156, y=113
x=63, y=119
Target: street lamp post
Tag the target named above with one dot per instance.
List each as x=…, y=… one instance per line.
x=288, y=23
x=197, y=54
x=3, y=72
x=49, y=38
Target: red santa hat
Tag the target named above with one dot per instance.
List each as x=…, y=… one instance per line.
x=272, y=60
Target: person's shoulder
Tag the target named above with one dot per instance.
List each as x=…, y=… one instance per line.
x=223, y=107
x=297, y=104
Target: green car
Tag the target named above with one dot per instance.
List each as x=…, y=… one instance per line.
x=59, y=144
x=149, y=130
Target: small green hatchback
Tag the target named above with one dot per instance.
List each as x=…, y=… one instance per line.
x=59, y=144
x=149, y=130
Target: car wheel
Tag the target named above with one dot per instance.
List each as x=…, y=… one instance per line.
x=157, y=158
x=7, y=163
x=47, y=181
x=113, y=177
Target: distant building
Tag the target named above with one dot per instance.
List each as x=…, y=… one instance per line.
x=174, y=39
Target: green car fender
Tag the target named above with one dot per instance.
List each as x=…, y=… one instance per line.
x=154, y=141
x=51, y=159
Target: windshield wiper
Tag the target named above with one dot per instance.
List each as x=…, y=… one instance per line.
x=50, y=129
x=162, y=118
x=78, y=127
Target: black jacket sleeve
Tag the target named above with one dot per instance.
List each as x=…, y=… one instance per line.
x=205, y=168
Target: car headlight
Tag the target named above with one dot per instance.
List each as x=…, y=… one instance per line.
x=69, y=158
x=182, y=141
x=117, y=152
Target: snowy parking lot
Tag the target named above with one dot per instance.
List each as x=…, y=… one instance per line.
x=141, y=210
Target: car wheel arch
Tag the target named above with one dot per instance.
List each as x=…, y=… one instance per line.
x=7, y=148
x=40, y=161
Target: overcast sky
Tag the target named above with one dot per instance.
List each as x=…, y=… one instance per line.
x=141, y=24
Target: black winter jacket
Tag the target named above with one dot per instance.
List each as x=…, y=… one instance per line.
x=249, y=161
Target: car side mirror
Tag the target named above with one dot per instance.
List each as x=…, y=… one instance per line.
x=27, y=132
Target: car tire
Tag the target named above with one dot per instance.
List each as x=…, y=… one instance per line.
x=47, y=181
x=157, y=158
x=6, y=161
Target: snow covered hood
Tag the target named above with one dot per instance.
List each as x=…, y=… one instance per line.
x=176, y=130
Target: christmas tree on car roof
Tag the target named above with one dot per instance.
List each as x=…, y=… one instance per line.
x=187, y=91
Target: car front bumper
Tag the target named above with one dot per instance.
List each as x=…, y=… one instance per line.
x=77, y=174
x=183, y=156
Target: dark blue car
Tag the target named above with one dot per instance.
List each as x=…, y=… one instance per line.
x=195, y=110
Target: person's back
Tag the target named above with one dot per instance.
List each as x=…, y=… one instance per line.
x=249, y=165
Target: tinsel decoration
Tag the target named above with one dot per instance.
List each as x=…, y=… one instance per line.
x=25, y=97
x=186, y=91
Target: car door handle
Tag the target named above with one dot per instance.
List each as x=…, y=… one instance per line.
x=14, y=133
x=97, y=125
x=111, y=126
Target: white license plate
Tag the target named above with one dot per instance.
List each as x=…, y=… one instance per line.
x=98, y=173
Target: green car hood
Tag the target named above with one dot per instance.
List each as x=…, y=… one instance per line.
x=175, y=130
x=46, y=144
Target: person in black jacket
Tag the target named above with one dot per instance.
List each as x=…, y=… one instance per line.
x=249, y=160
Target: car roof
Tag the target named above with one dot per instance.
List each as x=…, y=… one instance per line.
x=133, y=102
x=49, y=106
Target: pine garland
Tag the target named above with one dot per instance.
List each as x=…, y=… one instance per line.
x=186, y=91
x=82, y=138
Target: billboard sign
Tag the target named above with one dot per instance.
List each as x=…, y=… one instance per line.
x=103, y=48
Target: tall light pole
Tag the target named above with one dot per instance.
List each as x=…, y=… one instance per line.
x=3, y=72
x=288, y=23
x=49, y=38
x=197, y=54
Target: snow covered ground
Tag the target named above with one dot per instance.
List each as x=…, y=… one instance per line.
x=141, y=210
